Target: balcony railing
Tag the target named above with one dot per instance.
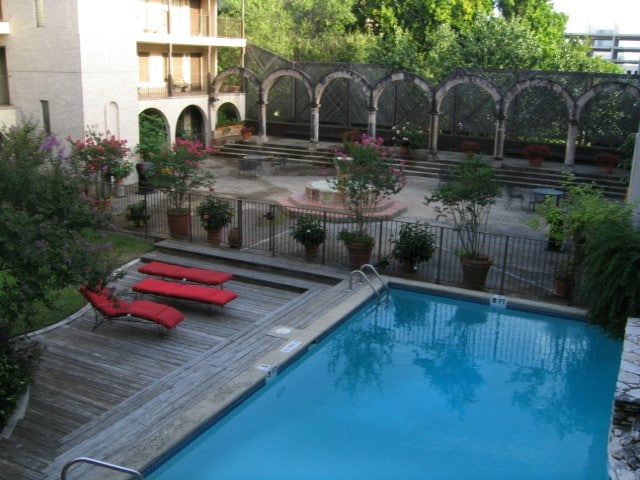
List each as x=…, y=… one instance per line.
x=177, y=90
x=156, y=21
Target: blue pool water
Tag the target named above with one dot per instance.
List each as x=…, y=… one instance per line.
x=424, y=387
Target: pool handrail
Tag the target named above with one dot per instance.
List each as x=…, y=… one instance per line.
x=361, y=272
x=99, y=463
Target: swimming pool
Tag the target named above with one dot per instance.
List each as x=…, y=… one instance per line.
x=423, y=386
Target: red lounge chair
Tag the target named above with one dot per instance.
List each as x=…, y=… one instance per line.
x=109, y=307
x=185, y=291
x=197, y=275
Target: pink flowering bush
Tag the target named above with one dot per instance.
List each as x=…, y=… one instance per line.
x=178, y=170
x=371, y=175
x=98, y=156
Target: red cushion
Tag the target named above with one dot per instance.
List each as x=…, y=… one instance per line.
x=112, y=307
x=199, y=275
x=198, y=293
x=163, y=314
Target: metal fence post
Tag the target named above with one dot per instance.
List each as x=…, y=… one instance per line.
x=504, y=265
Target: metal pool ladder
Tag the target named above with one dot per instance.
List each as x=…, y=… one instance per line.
x=109, y=466
x=361, y=273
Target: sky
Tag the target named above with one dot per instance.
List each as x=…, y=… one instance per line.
x=590, y=15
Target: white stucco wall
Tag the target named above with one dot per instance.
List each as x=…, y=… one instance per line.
x=82, y=61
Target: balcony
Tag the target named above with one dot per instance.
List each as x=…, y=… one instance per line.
x=157, y=25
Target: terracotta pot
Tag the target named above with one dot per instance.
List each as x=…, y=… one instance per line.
x=311, y=252
x=561, y=287
x=235, y=237
x=359, y=254
x=179, y=223
x=474, y=272
x=404, y=151
x=104, y=205
x=215, y=236
x=408, y=266
x=535, y=162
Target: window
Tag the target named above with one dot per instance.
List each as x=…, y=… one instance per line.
x=143, y=67
x=46, y=120
x=39, y=13
x=4, y=79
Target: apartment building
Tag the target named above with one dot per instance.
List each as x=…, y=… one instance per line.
x=70, y=64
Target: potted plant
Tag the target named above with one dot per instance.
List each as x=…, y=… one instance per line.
x=535, y=153
x=349, y=137
x=409, y=137
x=466, y=199
x=119, y=171
x=137, y=214
x=215, y=214
x=607, y=161
x=309, y=232
x=178, y=170
x=246, y=132
x=563, y=277
x=96, y=157
x=369, y=176
x=415, y=244
x=469, y=148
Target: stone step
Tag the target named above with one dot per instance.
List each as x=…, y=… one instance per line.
x=513, y=172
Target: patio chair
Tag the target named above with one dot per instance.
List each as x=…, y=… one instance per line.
x=514, y=193
x=108, y=306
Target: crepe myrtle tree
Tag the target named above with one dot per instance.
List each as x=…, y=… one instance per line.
x=49, y=238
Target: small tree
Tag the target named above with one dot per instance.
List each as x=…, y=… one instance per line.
x=466, y=199
x=367, y=175
x=178, y=170
x=153, y=136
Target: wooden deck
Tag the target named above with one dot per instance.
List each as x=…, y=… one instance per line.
x=117, y=393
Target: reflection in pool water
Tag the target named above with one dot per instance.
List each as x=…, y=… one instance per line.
x=425, y=387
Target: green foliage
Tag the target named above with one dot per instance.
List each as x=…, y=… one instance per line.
x=308, y=230
x=415, y=243
x=215, y=213
x=153, y=136
x=356, y=237
x=178, y=170
x=138, y=213
x=367, y=174
x=45, y=223
x=18, y=363
x=466, y=199
x=610, y=265
x=409, y=135
x=583, y=208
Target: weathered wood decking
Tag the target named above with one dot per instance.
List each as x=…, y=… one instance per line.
x=105, y=393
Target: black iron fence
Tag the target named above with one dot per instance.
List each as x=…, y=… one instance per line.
x=522, y=266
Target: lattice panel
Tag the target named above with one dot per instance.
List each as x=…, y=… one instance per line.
x=536, y=114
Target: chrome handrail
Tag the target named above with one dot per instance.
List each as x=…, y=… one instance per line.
x=92, y=461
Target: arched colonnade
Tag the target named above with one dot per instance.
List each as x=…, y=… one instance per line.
x=435, y=95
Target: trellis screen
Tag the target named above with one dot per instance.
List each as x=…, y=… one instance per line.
x=536, y=114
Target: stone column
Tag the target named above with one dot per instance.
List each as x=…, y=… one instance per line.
x=371, y=122
x=498, y=145
x=433, y=132
x=262, y=121
x=570, y=149
x=315, y=125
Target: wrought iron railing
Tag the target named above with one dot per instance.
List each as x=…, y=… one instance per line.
x=521, y=265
